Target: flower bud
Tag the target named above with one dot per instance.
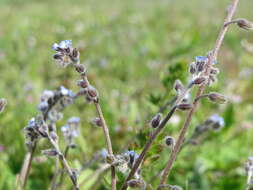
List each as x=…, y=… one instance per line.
x=199, y=80
x=214, y=71
x=156, y=120
x=83, y=83
x=80, y=68
x=245, y=24
x=135, y=183
x=184, y=106
x=178, y=86
x=50, y=152
x=169, y=141
x=92, y=92
x=97, y=122
x=192, y=68
x=3, y=103
x=217, y=98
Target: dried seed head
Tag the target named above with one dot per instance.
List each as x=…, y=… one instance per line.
x=244, y=24
x=83, y=83
x=184, y=106
x=169, y=141
x=156, y=120
x=3, y=103
x=178, y=86
x=199, y=80
x=217, y=98
x=50, y=152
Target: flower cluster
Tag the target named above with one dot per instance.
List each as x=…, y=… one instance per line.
x=65, y=53
x=71, y=130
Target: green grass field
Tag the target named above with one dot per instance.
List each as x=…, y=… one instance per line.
x=134, y=50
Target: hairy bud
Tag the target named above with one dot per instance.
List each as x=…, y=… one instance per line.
x=169, y=141
x=80, y=68
x=156, y=120
x=178, y=86
x=50, y=152
x=83, y=83
x=244, y=24
x=97, y=122
x=217, y=98
x=184, y=106
x=199, y=80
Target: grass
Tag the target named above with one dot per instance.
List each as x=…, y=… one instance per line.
x=130, y=49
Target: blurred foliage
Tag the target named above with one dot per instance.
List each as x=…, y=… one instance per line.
x=134, y=50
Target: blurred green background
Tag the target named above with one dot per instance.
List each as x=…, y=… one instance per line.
x=134, y=50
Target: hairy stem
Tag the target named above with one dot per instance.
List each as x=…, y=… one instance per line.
x=201, y=89
x=108, y=141
x=27, y=166
x=65, y=164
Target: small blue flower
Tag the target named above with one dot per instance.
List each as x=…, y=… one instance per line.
x=66, y=92
x=62, y=45
x=74, y=120
x=32, y=122
x=217, y=119
x=201, y=59
x=104, y=153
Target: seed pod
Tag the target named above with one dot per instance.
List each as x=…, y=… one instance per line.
x=184, y=106
x=217, y=98
x=199, y=80
x=245, y=24
x=3, y=103
x=156, y=120
x=192, y=68
x=50, y=152
x=169, y=141
x=80, y=68
x=178, y=86
x=83, y=83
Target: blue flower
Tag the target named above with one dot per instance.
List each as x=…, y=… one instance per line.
x=62, y=45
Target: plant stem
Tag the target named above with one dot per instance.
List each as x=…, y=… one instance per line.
x=201, y=89
x=64, y=163
x=108, y=141
x=27, y=166
x=147, y=146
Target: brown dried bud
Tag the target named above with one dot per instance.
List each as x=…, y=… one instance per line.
x=156, y=120
x=3, y=103
x=184, y=106
x=83, y=83
x=245, y=24
x=80, y=68
x=50, y=152
x=92, y=92
x=178, y=86
x=217, y=98
x=199, y=80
